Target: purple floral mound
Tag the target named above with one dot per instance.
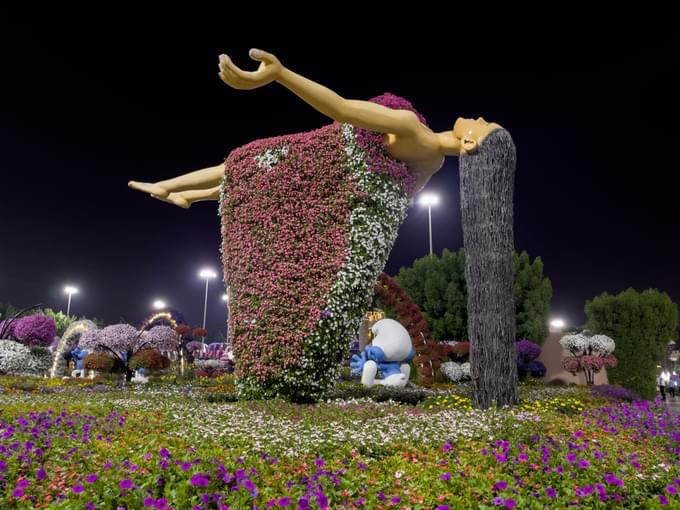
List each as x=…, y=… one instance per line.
x=36, y=330
x=527, y=364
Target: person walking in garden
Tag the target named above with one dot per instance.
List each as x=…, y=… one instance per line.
x=662, y=386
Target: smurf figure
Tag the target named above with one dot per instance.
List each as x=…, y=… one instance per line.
x=389, y=353
x=78, y=356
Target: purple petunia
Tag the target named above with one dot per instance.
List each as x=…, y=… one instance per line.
x=91, y=478
x=283, y=502
x=445, y=476
x=500, y=485
x=200, y=480
x=551, y=493
x=126, y=483
x=77, y=489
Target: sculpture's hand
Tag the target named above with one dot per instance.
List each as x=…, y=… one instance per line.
x=358, y=363
x=235, y=77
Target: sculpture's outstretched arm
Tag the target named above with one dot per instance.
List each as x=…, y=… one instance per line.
x=358, y=113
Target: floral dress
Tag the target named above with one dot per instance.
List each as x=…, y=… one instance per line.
x=307, y=221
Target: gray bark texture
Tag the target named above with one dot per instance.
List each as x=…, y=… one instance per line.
x=486, y=192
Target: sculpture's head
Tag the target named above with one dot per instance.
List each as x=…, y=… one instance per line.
x=392, y=338
x=471, y=132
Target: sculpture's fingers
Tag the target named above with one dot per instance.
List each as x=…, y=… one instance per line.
x=232, y=70
x=262, y=56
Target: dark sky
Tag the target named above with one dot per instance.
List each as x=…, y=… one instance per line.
x=88, y=102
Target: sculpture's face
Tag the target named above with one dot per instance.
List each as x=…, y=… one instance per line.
x=392, y=338
x=471, y=132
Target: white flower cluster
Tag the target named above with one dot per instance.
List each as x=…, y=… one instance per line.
x=162, y=338
x=576, y=344
x=258, y=430
x=211, y=363
x=581, y=344
x=602, y=344
x=374, y=225
x=456, y=371
x=269, y=158
x=18, y=359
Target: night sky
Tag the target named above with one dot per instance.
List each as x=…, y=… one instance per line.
x=89, y=102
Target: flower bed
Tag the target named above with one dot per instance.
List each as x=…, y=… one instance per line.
x=160, y=447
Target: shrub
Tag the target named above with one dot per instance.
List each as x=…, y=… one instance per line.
x=99, y=362
x=149, y=359
x=642, y=323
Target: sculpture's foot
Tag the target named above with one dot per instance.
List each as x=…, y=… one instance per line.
x=394, y=381
x=148, y=187
x=177, y=199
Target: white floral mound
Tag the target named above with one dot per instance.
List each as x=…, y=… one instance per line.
x=586, y=343
x=19, y=359
x=456, y=372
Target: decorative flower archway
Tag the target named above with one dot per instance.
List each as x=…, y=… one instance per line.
x=430, y=354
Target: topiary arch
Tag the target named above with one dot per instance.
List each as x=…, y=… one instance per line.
x=430, y=354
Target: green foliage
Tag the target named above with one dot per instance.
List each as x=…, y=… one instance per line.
x=378, y=393
x=642, y=324
x=437, y=285
x=62, y=320
x=7, y=310
x=532, y=298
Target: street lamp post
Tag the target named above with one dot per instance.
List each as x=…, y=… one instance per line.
x=207, y=274
x=70, y=290
x=429, y=200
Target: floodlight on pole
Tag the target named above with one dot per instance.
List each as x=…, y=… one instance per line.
x=70, y=290
x=207, y=274
x=557, y=324
x=429, y=199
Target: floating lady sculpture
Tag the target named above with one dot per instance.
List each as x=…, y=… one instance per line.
x=308, y=221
